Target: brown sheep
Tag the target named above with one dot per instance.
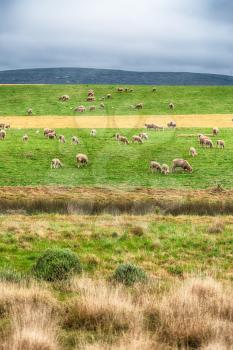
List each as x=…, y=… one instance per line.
x=150, y=126
x=208, y=143
x=181, y=163
x=56, y=163
x=64, y=98
x=155, y=166
x=75, y=140
x=171, y=125
x=62, y=139
x=81, y=159
x=2, y=134
x=49, y=131
x=215, y=131
x=143, y=136
x=220, y=144
x=137, y=139
x=122, y=139
x=202, y=139
x=51, y=135
x=25, y=138
x=80, y=109
x=139, y=106
x=92, y=108
x=29, y=111
x=165, y=169
x=192, y=152
x=171, y=106
x=90, y=99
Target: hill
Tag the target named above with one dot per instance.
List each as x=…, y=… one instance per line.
x=109, y=76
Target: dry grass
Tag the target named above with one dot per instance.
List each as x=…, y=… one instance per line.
x=217, y=226
x=101, y=306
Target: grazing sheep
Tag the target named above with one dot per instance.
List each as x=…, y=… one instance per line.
x=81, y=159
x=90, y=99
x=7, y=126
x=91, y=93
x=154, y=89
x=93, y=132
x=143, y=136
x=208, y=142
x=192, y=152
x=220, y=144
x=171, y=125
x=51, y=135
x=64, y=98
x=181, y=163
x=75, y=140
x=56, y=163
x=80, y=109
x=139, y=106
x=29, y=111
x=49, y=131
x=215, y=131
x=130, y=90
x=202, y=139
x=165, y=169
x=158, y=127
x=102, y=105
x=25, y=138
x=171, y=106
x=137, y=139
x=2, y=134
x=4, y=126
x=122, y=139
x=92, y=108
x=150, y=126
x=120, y=89
x=155, y=166
x=109, y=96
x=62, y=139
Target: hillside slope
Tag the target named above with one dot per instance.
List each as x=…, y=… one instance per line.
x=109, y=76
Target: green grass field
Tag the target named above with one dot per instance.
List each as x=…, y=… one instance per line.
x=113, y=164
x=15, y=100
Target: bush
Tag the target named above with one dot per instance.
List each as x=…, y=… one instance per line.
x=129, y=274
x=57, y=264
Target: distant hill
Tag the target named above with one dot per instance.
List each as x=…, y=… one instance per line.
x=109, y=76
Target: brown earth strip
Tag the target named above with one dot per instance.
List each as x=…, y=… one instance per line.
x=121, y=122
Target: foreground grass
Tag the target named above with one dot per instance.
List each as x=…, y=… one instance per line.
x=112, y=164
x=162, y=245
x=15, y=100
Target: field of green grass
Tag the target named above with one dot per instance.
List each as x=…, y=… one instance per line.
x=15, y=100
x=112, y=164
x=162, y=245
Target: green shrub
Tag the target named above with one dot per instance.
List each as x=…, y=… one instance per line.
x=129, y=274
x=57, y=264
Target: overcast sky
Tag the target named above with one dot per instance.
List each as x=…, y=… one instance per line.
x=143, y=35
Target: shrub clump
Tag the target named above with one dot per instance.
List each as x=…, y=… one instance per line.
x=56, y=265
x=129, y=274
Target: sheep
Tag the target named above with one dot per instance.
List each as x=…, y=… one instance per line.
x=92, y=108
x=150, y=126
x=81, y=159
x=165, y=169
x=158, y=127
x=51, y=135
x=120, y=89
x=56, y=163
x=130, y=90
x=139, y=106
x=181, y=163
x=109, y=96
x=29, y=111
x=64, y=98
x=49, y=131
x=154, y=89
x=137, y=139
x=75, y=140
x=90, y=93
x=155, y=166
x=202, y=139
x=62, y=139
x=102, y=105
x=143, y=136
x=215, y=131
x=25, y=138
x=171, y=125
x=208, y=142
x=7, y=126
x=171, y=106
x=2, y=134
x=220, y=144
x=122, y=139
x=90, y=99
x=80, y=109
x=4, y=126
x=93, y=132
x=192, y=152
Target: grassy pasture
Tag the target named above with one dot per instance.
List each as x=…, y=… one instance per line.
x=15, y=100
x=112, y=164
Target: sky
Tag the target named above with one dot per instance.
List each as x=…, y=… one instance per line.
x=141, y=35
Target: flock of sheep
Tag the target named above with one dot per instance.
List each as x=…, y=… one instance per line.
x=82, y=159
